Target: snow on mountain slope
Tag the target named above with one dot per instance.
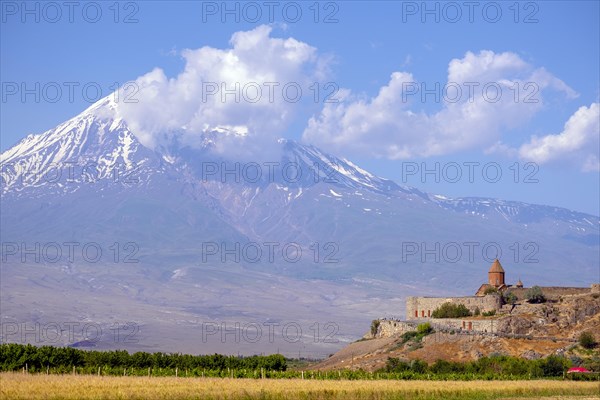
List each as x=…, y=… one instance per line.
x=335, y=170
x=97, y=145
x=515, y=211
x=94, y=145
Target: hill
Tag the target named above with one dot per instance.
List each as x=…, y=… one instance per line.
x=530, y=331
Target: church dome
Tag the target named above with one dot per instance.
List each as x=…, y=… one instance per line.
x=519, y=284
x=496, y=266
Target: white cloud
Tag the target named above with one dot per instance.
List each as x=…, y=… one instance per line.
x=256, y=67
x=391, y=124
x=485, y=67
x=579, y=141
x=472, y=113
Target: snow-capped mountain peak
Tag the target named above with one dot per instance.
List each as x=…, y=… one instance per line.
x=97, y=145
x=96, y=141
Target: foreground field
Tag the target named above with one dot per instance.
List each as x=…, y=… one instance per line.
x=82, y=387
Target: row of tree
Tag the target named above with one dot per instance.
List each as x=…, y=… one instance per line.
x=18, y=356
x=48, y=359
x=500, y=365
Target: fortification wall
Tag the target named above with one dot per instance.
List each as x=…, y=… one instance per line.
x=389, y=328
x=465, y=324
x=552, y=292
x=423, y=307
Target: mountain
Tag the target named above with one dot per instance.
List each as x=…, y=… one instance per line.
x=179, y=239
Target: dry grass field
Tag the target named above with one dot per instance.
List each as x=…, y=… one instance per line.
x=87, y=387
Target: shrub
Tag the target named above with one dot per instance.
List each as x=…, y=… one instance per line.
x=375, y=326
x=477, y=311
x=416, y=336
x=394, y=364
x=490, y=290
x=489, y=313
x=418, y=366
x=509, y=298
x=587, y=341
x=554, y=365
x=424, y=329
x=592, y=364
x=450, y=310
x=535, y=295
x=442, y=367
x=406, y=336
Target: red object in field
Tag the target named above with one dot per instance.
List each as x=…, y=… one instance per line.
x=577, y=369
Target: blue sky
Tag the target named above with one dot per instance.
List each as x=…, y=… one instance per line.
x=376, y=53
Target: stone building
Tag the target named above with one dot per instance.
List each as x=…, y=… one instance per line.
x=488, y=297
x=423, y=307
x=495, y=280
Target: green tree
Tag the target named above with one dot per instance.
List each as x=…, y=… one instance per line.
x=418, y=366
x=445, y=367
x=509, y=298
x=515, y=366
x=141, y=359
x=394, y=364
x=275, y=362
x=554, y=365
x=450, y=310
x=587, y=341
x=535, y=295
x=375, y=326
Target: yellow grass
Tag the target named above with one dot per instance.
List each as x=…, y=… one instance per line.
x=84, y=387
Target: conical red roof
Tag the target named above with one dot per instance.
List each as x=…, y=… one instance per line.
x=496, y=267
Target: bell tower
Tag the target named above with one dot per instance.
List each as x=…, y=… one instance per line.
x=496, y=274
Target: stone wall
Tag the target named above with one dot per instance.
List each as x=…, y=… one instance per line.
x=423, y=307
x=552, y=292
x=389, y=328
x=465, y=324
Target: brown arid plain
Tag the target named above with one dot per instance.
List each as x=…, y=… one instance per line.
x=89, y=387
